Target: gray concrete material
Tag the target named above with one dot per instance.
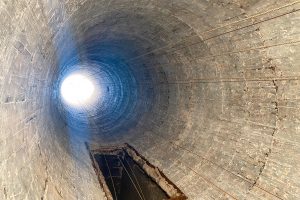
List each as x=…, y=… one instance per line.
x=222, y=122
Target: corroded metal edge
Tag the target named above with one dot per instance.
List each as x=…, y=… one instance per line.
x=156, y=174
x=153, y=172
x=100, y=176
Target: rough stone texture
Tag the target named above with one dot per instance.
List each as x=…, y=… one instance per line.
x=224, y=119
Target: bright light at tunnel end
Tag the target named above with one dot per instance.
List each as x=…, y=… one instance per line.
x=77, y=90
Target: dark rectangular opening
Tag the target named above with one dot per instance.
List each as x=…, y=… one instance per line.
x=126, y=175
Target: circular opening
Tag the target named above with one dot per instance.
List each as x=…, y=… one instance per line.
x=77, y=90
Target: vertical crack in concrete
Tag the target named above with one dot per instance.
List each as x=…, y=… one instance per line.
x=267, y=154
x=5, y=192
x=45, y=188
x=58, y=192
x=276, y=112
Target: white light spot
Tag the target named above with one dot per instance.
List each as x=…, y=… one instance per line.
x=77, y=90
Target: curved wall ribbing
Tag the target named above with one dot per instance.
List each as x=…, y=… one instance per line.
x=206, y=90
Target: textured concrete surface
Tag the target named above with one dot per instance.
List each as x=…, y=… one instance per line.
x=219, y=87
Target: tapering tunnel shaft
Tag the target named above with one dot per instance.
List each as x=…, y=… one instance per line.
x=207, y=91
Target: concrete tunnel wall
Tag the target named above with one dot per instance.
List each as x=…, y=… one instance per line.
x=209, y=94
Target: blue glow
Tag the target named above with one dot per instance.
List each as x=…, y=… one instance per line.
x=127, y=90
